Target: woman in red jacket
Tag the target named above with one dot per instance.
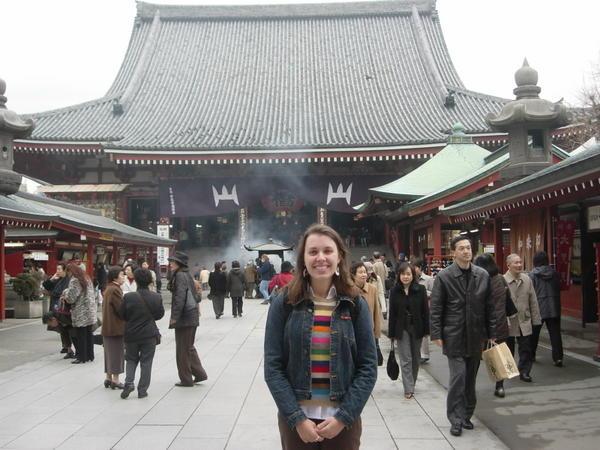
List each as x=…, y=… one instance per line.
x=281, y=279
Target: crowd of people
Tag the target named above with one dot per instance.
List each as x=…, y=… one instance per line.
x=324, y=325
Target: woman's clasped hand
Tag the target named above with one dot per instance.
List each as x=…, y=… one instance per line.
x=309, y=431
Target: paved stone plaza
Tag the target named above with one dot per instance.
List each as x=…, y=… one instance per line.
x=49, y=403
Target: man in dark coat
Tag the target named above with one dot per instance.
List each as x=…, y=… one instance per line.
x=235, y=286
x=546, y=283
x=185, y=318
x=462, y=319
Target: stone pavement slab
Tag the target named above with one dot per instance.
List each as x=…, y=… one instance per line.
x=49, y=403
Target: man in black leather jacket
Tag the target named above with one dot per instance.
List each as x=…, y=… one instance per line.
x=462, y=319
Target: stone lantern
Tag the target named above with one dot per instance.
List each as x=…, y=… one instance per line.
x=12, y=126
x=529, y=121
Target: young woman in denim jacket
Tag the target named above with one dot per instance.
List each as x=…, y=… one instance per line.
x=320, y=358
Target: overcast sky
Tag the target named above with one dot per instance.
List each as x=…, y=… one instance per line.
x=57, y=53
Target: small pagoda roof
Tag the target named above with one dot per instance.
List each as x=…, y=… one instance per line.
x=266, y=77
x=493, y=164
x=459, y=157
x=269, y=247
x=584, y=165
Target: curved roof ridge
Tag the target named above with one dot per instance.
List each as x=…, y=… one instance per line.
x=146, y=11
x=71, y=108
x=142, y=63
x=466, y=91
x=426, y=54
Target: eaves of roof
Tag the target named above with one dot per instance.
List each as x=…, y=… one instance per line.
x=34, y=207
x=574, y=167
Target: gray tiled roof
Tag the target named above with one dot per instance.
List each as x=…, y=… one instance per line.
x=261, y=77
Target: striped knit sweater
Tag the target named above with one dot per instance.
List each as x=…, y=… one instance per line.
x=320, y=359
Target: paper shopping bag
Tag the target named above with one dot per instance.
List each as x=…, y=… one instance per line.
x=499, y=362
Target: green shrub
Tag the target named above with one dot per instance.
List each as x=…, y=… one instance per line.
x=26, y=286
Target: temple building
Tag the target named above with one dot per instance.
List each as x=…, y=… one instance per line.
x=249, y=122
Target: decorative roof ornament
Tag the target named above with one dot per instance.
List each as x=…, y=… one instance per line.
x=526, y=79
x=458, y=135
x=528, y=106
x=11, y=126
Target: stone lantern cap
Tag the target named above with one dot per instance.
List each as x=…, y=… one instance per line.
x=11, y=126
x=528, y=108
x=10, y=121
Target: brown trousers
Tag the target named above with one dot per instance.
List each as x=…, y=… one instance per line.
x=188, y=362
x=348, y=439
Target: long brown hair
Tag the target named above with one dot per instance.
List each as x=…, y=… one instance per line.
x=79, y=275
x=298, y=287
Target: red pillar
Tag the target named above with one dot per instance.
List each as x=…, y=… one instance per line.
x=2, y=293
x=437, y=236
x=135, y=254
x=89, y=267
x=115, y=254
x=52, y=260
x=498, y=242
x=597, y=247
x=549, y=235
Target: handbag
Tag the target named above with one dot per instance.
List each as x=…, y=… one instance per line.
x=158, y=336
x=393, y=370
x=499, y=362
x=190, y=301
x=379, y=354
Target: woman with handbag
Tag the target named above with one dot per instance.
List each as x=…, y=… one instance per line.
x=55, y=285
x=369, y=293
x=505, y=310
x=185, y=318
x=80, y=295
x=140, y=310
x=113, y=328
x=408, y=323
x=320, y=358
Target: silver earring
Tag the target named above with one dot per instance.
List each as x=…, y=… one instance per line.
x=337, y=271
x=304, y=273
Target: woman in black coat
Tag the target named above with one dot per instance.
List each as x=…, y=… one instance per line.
x=408, y=323
x=140, y=310
x=217, y=281
x=504, y=308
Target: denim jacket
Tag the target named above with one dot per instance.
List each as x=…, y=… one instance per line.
x=353, y=364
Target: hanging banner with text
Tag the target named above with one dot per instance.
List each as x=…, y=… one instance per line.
x=162, y=253
x=565, y=230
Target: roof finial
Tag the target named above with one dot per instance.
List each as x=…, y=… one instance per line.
x=526, y=79
x=458, y=135
x=2, y=91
